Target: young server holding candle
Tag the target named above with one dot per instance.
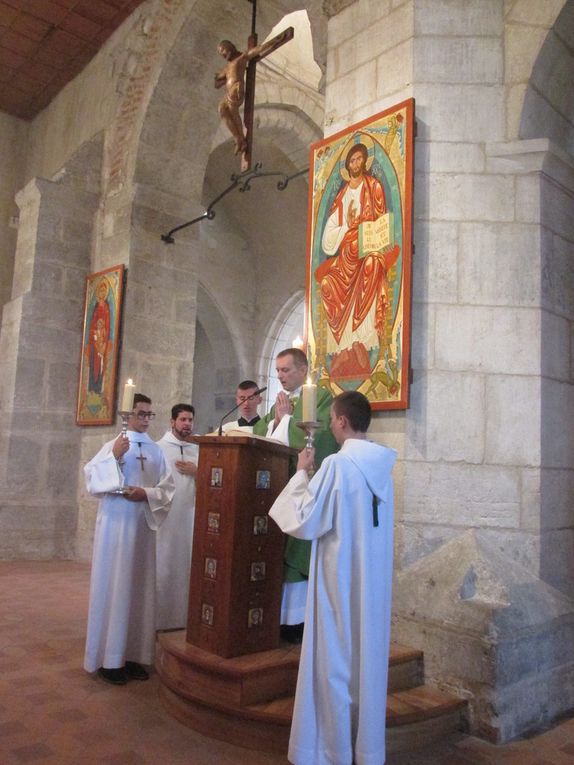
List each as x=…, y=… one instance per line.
x=297, y=402
x=131, y=478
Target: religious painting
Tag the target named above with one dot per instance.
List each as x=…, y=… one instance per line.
x=255, y=617
x=259, y=524
x=213, y=522
x=210, y=569
x=216, y=477
x=100, y=346
x=207, y=614
x=358, y=290
x=263, y=479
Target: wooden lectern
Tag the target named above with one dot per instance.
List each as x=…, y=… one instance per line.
x=237, y=560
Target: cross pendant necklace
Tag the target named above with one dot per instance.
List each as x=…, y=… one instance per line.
x=141, y=458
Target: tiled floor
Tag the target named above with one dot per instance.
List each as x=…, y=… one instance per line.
x=53, y=713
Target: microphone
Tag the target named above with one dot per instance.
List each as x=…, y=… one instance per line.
x=257, y=392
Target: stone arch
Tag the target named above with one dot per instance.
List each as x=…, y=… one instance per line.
x=286, y=125
x=162, y=51
x=527, y=23
x=548, y=109
x=279, y=337
x=216, y=368
x=169, y=166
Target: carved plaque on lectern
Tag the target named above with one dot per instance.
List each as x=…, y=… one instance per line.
x=237, y=560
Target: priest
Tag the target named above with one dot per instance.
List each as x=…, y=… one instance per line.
x=134, y=484
x=281, y=424
x=175, y=537
x=347, y=510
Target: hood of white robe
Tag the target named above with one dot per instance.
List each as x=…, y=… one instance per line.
x=375, y=463
x=169, y=438
x=141, y=438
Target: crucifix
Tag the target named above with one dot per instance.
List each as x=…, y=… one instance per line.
x=238, y=78
x=141, y=458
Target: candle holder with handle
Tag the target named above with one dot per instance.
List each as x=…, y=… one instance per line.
x=309, y=427
x=124, y=416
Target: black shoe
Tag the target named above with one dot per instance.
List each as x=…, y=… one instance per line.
x=115, y=676
x=135, y=671
x=292, y=633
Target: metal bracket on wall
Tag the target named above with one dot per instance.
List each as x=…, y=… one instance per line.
x=241, y=181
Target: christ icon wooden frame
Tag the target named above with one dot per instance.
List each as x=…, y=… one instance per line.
x=358, y=284
x=100, y=347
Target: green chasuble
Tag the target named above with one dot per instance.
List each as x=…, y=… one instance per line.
x=298, y=551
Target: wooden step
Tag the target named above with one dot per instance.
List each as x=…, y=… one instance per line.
x=248, y=700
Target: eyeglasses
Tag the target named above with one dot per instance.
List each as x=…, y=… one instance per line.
x=145, y=415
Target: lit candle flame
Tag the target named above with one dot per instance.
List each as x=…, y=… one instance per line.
x=298, y=342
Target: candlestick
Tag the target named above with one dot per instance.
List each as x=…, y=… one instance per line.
x=309, y=427
x=128, y=398
x=309, y=403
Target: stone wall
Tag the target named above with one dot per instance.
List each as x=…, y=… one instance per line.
x=492, y=304
x=40, y=347
x=12, y=152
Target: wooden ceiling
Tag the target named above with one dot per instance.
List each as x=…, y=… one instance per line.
x=45, y=43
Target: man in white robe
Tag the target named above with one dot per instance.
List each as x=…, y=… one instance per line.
x=347, y=510
x=134, y=483
x=247, y=398
x=175, y=537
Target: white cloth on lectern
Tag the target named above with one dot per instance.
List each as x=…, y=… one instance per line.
x=121, y=617
x=175, y=538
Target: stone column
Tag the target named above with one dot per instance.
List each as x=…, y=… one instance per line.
x=39, y=348
x=484, y=489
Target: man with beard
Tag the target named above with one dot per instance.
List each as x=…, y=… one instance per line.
x=353, y=283
x=175, y=538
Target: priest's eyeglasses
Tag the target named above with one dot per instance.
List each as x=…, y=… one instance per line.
x=145, y=415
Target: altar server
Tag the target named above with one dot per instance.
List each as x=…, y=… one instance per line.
x=347, y=510
x=135, y=486
x=175, y=537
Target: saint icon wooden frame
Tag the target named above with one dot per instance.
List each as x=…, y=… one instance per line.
x=97, y=381
x=358, y=283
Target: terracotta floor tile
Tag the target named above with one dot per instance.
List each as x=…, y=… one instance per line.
x=33, y=753
x=54, y=713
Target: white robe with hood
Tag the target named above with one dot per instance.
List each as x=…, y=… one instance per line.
x=121, y=618
x=340, y=702
x=175, y=538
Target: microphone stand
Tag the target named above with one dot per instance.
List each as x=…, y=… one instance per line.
x=258, y=392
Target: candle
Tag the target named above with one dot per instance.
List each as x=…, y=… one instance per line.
x=309, y=401
x=128, y=397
